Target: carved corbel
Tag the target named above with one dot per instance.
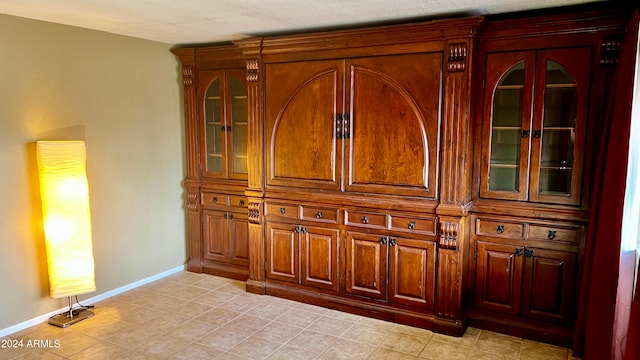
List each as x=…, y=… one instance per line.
x=187, y=75
x=253, y=70
x=457, y=60
x=193, y=201
x=449, y=235
x=254, y=212
x=609, y=50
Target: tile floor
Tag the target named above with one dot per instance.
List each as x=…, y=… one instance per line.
x=195, y=316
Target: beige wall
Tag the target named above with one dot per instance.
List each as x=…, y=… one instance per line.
x=123, y=97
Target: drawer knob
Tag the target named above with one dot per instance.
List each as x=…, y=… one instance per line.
x=412, y=225
x=365, y=219
x=552, y=234
x=500, y=229
x=319, y=215
x=241, y=202
x=283, y=210
x=215, y=199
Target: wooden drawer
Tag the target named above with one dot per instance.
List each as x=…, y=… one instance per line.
x=323, y=214
x=235, y=200
x=554, y=233
x=214, y=199
x=499, y=228
x=366, y=219
x=282, y=210
x=413, y=224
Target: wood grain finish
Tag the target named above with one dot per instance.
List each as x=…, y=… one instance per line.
x=370, y=154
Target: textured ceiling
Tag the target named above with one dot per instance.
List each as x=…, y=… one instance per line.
x=206, y=21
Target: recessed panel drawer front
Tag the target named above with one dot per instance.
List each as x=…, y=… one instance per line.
x=499, y=228
x=240, y=201
x=321, y=214
x=282, y=210
x=554, y=233
x=414, y=225
x=366, y=219
x=214, y=199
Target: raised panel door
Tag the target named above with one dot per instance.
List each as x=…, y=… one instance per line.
x=412, y=272
x=499, y=277
x=282, y=253
x=319, y=257
x=549, y=285
x=303, y=100
x=394, y=107
x=366, y=265
x=239, y=239
x=215, y=235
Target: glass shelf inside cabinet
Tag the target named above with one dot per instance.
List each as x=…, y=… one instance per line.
x=506, y=126
x=213, y=127
x=239, y=125
x=558, y=131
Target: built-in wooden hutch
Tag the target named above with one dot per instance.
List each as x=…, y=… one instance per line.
x=437, y=174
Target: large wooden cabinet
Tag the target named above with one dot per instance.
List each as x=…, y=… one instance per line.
x=437, y=174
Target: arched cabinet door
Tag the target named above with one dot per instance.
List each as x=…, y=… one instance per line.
x=534, y=119
x=302, y=101
x=561, y=105
x=392, y=126
x=223, y=112
x=507, y=115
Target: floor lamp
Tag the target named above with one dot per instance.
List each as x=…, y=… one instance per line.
x=64, y=192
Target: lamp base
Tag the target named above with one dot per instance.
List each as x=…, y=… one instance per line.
x=70, y=317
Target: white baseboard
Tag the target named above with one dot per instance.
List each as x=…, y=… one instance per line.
x=40, y=319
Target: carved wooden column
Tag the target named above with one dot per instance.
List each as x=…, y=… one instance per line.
x=255, y=151
x=456, y=181
x=191, y=182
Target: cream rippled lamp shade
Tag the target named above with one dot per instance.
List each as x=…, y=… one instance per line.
x=64, y=192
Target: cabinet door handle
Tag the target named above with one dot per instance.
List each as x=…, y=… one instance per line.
x=519, y=251
x=383, y=240
x=297, y=229
x=551, y=235
x=524, y=134
x=528, y=253
x=392, y=242
x=500, y=229
x=412, y=225
x=365, y=219
x=537, y=134
x=283, y=210
x=319, y=215
x=230, y=216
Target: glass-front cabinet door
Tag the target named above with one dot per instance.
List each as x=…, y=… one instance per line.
x=224, y=114
x=558, y=137
x=507, y=125
x=533, y=125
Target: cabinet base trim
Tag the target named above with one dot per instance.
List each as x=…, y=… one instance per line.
x=542, y=332
x=227, y=271
x=363, y=308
